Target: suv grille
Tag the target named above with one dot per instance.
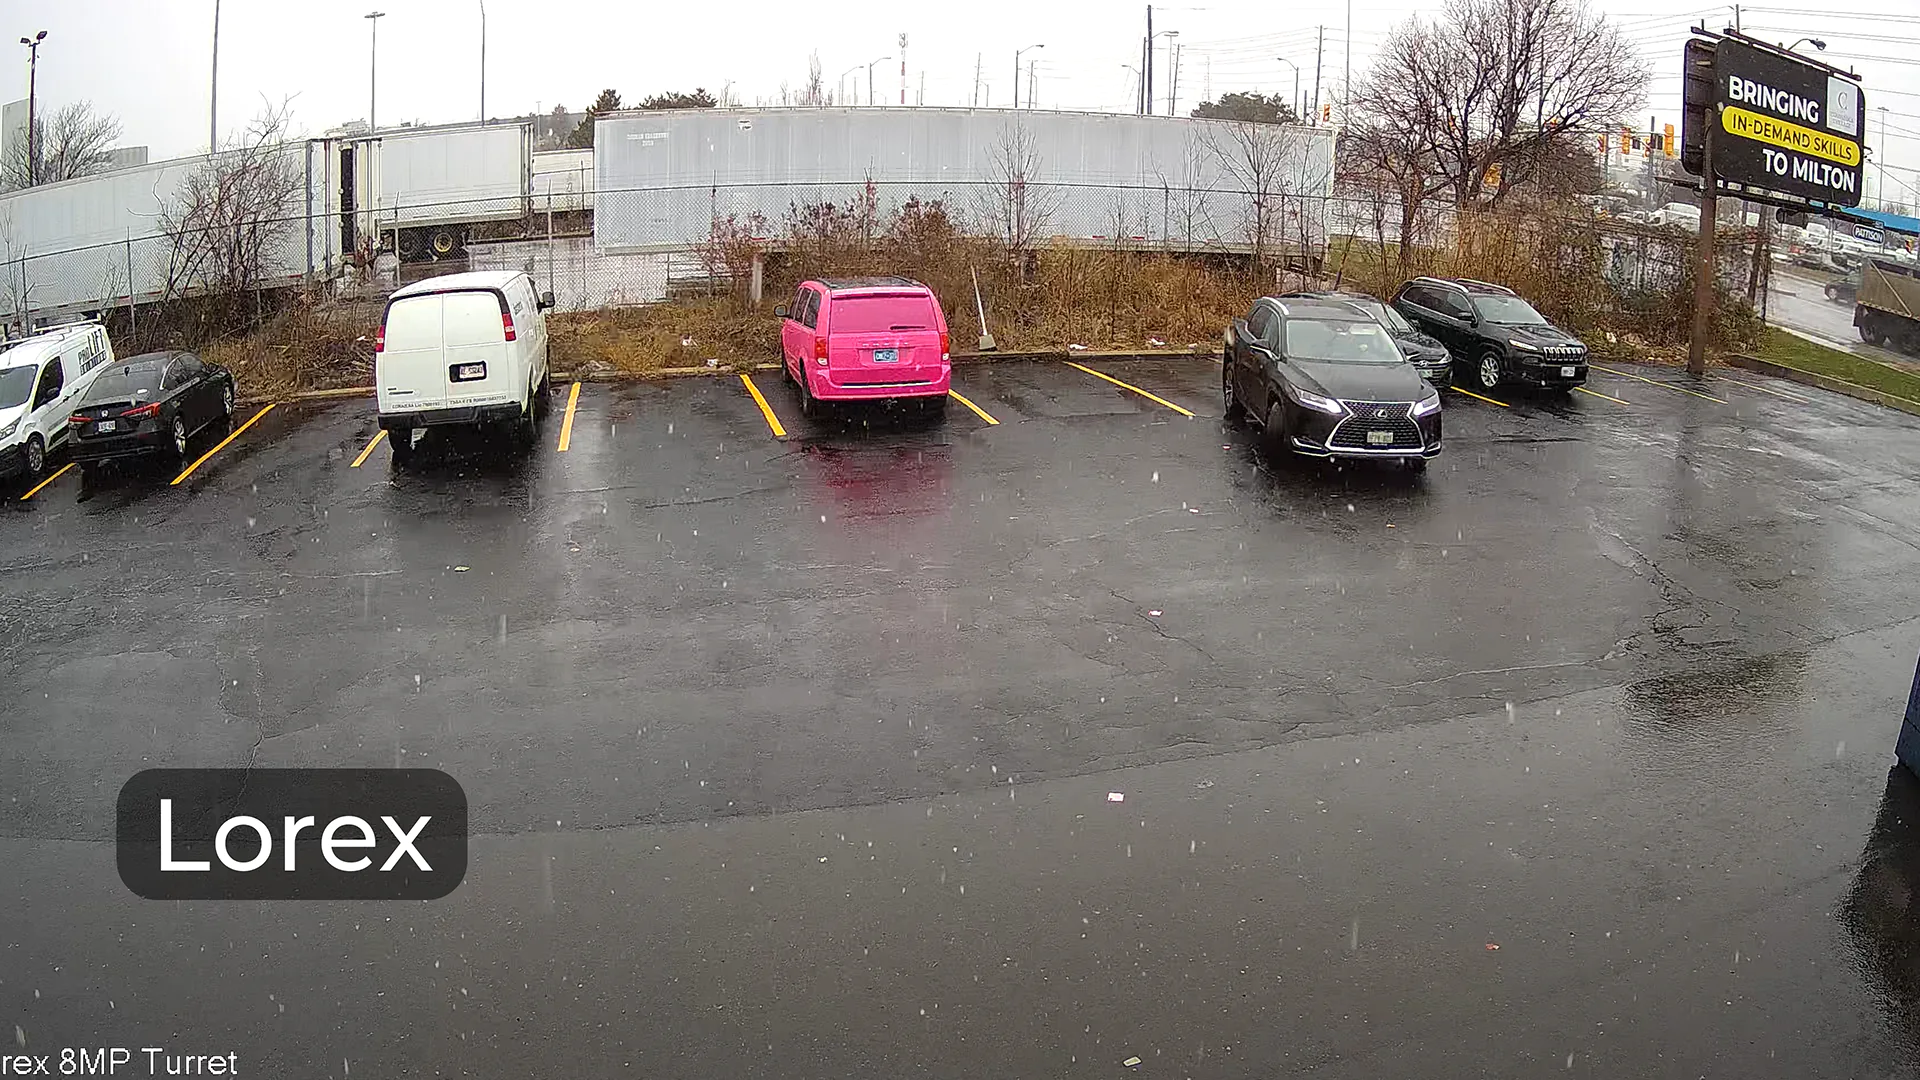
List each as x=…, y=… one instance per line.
x=1364, y=417
x=1563, y=352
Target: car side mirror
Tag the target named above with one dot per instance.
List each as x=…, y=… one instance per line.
x=546, y=301
x=780, y=312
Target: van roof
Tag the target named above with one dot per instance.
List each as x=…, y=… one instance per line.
x=850, y=284
x=41, y=346
x=473, y=279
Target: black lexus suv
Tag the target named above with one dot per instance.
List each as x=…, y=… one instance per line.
x=1323, y=379
x=1498, y=335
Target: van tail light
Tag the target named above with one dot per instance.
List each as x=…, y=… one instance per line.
x=76, y=418
x=820, y=349
x=506, y=324
x=945, y=343
x=142, y=412
x=380, y=338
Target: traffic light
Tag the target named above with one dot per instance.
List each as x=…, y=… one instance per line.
x=1626, y=140
x=1326, y=113
x=1667, y=142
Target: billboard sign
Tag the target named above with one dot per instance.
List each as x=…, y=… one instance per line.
x=1786, y=125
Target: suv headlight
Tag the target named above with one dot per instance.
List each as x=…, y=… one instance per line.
x=1524, y=347
x=1427, y=406
x=11, y=426
x=1315, y=401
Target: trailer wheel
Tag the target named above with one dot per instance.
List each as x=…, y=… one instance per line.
x=446, y=242
x=412, y=245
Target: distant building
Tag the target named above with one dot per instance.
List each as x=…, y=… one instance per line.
x=126, y=157
x=13, y=127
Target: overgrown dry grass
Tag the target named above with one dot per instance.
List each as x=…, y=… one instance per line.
x=302, y=348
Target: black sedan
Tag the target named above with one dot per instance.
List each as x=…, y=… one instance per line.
x=1421, y=349
x=149, y=404
x=1326, y=381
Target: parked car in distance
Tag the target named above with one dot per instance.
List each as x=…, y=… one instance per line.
x=148, y=404
x=1325, y=380
x=864, y=339
x=1422, y=350
x=1490, y=328
x=464, y=349
x=40, y=379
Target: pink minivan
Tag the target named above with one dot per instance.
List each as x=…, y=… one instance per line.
x=852, y=339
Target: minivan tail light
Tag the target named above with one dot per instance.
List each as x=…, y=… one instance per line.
x=820, y=349
x=380, y=338
x=506, y=324
x=945, y=342
x=142, y=412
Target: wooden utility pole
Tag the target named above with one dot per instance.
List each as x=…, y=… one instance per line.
x=1703, y=256
x=1319, y=45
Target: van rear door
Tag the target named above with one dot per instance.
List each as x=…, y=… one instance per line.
x=883, y=338
x=476, y=367
x=409, y=369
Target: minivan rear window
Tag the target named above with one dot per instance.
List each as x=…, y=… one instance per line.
x=872, y=313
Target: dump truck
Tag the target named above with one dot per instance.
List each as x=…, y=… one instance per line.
x=1886, y=308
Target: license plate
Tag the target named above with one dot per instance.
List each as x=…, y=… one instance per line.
x=1567, y=372
x=105, y=425
x=1379, y=438
x=885, y=356
x=470, y=371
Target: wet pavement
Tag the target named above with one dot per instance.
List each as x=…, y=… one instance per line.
x=794, y=756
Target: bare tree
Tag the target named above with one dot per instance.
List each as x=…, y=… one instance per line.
x=1016, y=207
x=815, y=92
x=235, y=213
x=72, y=143
x=1265, y=164
x=1486, y=98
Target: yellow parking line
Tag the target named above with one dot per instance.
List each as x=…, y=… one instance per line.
x=1770, y=390
x=1130, y=386
x=977, y=410
x=1478, y=397
x=222, y=445
x=48, y=480
x=1598, y=394
x=1656, y=382
x=566, y=423
x=773, y=422
x=357, y=462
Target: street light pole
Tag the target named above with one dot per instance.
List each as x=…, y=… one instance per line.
x=483, y=63
x=213, y=94
x=840, y=84
x=33, y=71
x=1169, y=34
x=373, y=68
x=870, y=68
x=1298, y=106
x=1016, y=72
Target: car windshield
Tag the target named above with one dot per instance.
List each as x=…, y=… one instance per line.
x=1384, y=315
x=1507, y=311
x=15, y=385
x=883, y=312
x=1341, y=341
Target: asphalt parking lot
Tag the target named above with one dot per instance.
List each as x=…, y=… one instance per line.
x=792, y=744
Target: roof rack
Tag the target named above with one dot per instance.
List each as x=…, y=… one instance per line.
x=1488, y=286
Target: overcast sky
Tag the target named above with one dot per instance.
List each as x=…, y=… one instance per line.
x=147, y=61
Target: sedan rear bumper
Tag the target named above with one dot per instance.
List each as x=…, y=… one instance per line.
x=119, y=446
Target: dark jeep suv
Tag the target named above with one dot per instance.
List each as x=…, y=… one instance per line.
x=1421, y=350
x=1497, y=334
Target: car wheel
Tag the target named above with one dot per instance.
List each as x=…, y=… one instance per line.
x=809, y=405
x=179, y=437
x=1236, y=412
x=1490, y=370
x=1275, y=427
x=936, y=408
x=226, y=400
x=543, y=397
x=1416, y=465
x=36, y=457
x=401, y=440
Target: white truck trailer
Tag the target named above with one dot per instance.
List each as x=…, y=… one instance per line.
x=424, y=192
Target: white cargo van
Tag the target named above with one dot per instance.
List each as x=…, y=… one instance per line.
x=467, y=349
x=40, y=379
